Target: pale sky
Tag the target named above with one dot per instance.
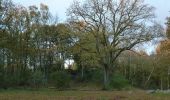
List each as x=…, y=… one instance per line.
x=59, y=7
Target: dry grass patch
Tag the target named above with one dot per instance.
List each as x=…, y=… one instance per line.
x=79, y=95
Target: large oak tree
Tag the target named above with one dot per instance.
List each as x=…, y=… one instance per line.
x=116, y=25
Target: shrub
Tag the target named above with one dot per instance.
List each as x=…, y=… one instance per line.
x=37, y=78
x=60, y=79
x=92, y=75
x=10, y=80
x=23, y=77
x=97, y=76
x=2, y=85
x=117, y=81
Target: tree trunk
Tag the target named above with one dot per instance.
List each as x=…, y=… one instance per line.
x=82, y=72
x=161, y=83
x=168, y=82
x=3, y=58
x=106, y=78
x=148, y=79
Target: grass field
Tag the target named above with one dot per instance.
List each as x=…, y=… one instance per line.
x=79, y=95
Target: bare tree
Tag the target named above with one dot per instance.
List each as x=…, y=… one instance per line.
x=117, y=25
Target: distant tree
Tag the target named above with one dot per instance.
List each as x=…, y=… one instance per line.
x=84, y=53
x=168, y=28
x=163, y=53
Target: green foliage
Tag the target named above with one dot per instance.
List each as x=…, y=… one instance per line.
x=37, y=78
x=2, y=83
x=24, y=77
x=16, y=79
x=60, y=79
x=97, y=76
x=92, y=75
x=118, y=81
x=29, y=40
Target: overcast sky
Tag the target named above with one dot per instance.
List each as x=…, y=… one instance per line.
x=59, y=7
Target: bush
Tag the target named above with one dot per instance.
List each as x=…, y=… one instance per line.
x=13, y=78
x=2, y=84
x=23, y=77
x=10, y=80
x=97, y=76
x=117, y=81
x=92, y=75
x=37, y=79
x=60, y=79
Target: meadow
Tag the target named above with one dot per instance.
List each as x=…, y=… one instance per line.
x=51, y=94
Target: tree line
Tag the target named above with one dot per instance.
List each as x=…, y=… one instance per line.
x=99, y=36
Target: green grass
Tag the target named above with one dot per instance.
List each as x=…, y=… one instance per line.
x=162, y=94
x=51, y=94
